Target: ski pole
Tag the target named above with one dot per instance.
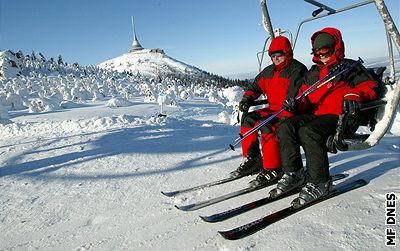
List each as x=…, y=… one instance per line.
x=328, y=77
x=254, y=129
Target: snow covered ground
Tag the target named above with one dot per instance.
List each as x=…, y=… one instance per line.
x=90, y=177
x=149, y=63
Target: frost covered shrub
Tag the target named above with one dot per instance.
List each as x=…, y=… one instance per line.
x=213, y=96
x=15, y=101
x=69, y=105
x=224, y=117
x=233, y=94
x=118, y=102
x=3, y=112
x=43, y=105
x=3, y=99
x=184, y=95
x=80, y=95
x=97, y=95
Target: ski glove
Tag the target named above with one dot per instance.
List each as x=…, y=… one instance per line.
x=289, y=105
x=351, y=107
x=245, y=103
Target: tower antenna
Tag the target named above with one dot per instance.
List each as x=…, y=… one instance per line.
x=135, y=44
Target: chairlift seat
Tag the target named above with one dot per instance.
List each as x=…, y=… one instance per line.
x=368, y=118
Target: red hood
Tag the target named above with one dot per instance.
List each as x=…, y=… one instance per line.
x=282, y=44
x=338, y=54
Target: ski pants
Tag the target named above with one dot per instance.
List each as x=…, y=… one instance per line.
x=269, y=142
x=311, y=132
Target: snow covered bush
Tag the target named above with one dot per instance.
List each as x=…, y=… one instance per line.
x=3, y=112
x=118, y=102
x=224, y=117
x=10, y=65
x=213, y=96
x=170, y=100
x=149, y=96
x=79, y=94
x=184, y=95
x=69, y=104
x=15, y=101
x=233, y=94
x=43, y=105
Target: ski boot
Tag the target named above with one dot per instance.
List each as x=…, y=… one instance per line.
x=267, y=176
x=288, y=182
x=250, y=165
x=312, y=192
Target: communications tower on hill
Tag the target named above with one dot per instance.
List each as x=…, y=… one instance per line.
x=135, y=44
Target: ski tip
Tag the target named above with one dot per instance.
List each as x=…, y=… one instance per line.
x=169, y=194
x=227, y=235
x=207, y=219
x=362, y=182
x=184, y=208
x=340, y=176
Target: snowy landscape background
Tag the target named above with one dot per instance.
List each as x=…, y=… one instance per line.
x=84, y=158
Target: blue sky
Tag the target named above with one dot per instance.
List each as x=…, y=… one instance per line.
x=220, y=36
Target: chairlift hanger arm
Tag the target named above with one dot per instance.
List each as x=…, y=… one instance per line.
x=321, y=6
x=266, y=19
x=327, y=14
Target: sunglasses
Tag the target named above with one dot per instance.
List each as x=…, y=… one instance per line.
x=322, y=52
x=276, y=54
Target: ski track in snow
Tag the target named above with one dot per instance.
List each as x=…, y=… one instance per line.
x=95, y=183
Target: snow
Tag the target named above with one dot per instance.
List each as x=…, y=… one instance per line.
x=71, y=181
x=83, y=166
x=9, y=63
x=148, y=63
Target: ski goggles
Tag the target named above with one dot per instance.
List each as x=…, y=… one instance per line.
x=322, y=52
x=276, y=54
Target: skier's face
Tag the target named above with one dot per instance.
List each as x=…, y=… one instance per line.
x=324, y=54
x=278, y=59
x=324, y=59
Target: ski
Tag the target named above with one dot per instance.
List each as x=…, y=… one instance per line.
x=252, y=227
x=210, y=184
x=254, y=204
x=198, y=205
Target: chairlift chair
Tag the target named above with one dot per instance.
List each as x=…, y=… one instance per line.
x=379, y=113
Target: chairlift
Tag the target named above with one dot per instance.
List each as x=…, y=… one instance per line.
x=382, y=111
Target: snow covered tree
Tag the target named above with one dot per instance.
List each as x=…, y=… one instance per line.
x=19, y=54
x=33, y=56
x=60, y=60
x=42, y=58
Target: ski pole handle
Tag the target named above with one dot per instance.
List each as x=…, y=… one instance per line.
x=325, y=80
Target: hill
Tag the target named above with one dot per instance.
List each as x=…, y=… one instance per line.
x=38, y=84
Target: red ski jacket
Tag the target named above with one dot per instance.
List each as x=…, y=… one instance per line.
x=357, y=84
x=280, y=82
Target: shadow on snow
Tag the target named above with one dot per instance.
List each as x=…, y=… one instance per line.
x=176, y=139
x=149, y=140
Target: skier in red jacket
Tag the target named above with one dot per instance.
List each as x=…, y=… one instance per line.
x=278, y=81
x=311, y=130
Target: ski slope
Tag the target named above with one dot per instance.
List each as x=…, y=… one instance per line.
x=90, y=178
